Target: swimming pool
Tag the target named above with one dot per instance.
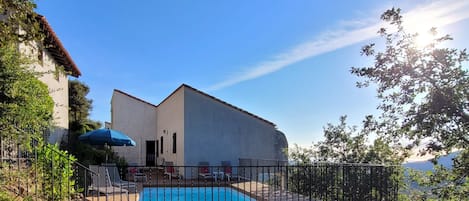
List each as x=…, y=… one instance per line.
x=192, y=194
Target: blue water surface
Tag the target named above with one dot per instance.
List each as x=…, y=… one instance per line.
x=192, y=194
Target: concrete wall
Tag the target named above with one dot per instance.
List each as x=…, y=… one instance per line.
x=137, y=119
x=57, y=82
x=216, y=132
x=171, y=120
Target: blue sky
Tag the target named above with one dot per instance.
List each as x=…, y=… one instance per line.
x=286, y=61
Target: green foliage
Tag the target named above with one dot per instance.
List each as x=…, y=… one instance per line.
x=343, y=165
x=424, y=99
x=17, y=14
x=4, y=196
x=26, y=108
x=80, y=106
x=347, y=144
x=57, y=169
x=79, y=109
x=79, y=123
x=340, y=181
x=300, y=155
x=25, y=105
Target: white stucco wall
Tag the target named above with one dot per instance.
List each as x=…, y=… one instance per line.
x=137, y=119
x=171, y=120
x=57, y=83
x=206, y=130
x=216, y=132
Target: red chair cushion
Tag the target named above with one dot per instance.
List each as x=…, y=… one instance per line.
x=228, y=170
x=170, y=169
x=204, y=170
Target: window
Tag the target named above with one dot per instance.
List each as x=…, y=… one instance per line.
x=161, y=143
x=174, y=143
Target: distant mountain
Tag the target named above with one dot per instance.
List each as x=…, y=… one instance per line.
x=446, y=161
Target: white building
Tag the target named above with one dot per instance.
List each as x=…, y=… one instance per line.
x=54, y=61
x=189, y=127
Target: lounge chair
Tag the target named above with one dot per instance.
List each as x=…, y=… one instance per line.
x=116, y=179
x=204, y=170
x=170, y=171
x=101, y=183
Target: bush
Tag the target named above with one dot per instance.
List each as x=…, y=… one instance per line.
x=4, y=196
x=57, y=168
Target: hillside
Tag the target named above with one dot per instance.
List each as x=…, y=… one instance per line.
x=446, y=161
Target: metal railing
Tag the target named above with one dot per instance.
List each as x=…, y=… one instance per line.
x=319, y=181
x=41, y=173
x=35, y=178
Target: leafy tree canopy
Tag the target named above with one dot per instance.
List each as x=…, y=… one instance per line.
x=348, y=144
x=424, y=93
x=80, y=106
x=79, y=123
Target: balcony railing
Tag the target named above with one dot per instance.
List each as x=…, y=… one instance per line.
x=251, y=181
x=319, y=181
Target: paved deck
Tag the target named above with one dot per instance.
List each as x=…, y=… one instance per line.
x=262, y=191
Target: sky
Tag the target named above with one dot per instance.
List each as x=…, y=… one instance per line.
x=285, y=61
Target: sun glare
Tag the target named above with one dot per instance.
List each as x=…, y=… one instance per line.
x=424, y=38
x=421, y=25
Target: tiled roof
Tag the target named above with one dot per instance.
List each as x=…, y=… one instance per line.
x=56, y=49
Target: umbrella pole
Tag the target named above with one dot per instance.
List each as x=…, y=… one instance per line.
x=105, y=146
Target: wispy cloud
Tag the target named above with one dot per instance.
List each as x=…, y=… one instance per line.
x=435, y=14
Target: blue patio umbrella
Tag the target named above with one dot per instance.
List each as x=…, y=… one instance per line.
x=107, y=136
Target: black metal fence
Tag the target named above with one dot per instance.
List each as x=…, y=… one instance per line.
x=41, y=172
x=27, y=175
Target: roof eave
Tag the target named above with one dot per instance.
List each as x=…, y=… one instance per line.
x=55, y=47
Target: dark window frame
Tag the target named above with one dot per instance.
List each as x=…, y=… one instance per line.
x=157, y=148
x=161, y=143
x=174, y=143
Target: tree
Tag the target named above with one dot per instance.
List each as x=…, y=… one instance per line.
x=344, y=163
x=424, y=95
x=25, y=105
x=80, y=107
x=79, y=122
x=347, y=144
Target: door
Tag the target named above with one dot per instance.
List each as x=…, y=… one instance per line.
x=151, y=153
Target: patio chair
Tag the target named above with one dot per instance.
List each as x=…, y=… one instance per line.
x=137, y=174
x=116, y=179
x=101, y=183
x=170, y=171
x=227, y=169
x=204, y=170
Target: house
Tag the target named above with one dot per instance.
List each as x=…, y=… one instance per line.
x=53, y=60
x=190, y=126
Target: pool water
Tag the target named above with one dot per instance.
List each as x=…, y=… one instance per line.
x=193, y=194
